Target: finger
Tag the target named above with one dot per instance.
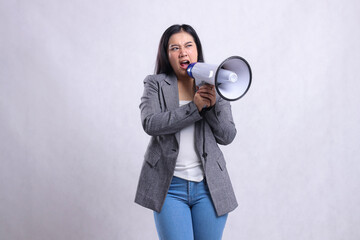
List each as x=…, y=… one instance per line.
x=207, y=100
x=207, y=94
x=209, y=97
x=207, y=87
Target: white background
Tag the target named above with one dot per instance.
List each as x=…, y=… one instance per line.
x=71, y=141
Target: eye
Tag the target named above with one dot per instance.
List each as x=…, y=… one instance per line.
x=189, y=45
x=174, y=48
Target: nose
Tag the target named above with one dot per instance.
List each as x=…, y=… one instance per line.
x=183, y=52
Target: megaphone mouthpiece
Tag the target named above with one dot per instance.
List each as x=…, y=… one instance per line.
x=189, y=69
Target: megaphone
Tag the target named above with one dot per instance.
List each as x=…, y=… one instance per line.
x=232, y=78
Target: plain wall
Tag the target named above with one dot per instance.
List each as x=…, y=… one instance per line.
x=71, y=140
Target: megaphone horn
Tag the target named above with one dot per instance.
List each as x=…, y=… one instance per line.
x=232, y=78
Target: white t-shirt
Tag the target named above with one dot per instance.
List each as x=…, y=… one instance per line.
x=188, y=165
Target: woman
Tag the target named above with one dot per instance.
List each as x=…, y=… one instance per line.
x=184, y=177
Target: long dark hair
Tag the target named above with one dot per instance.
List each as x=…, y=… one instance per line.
x=162, y=59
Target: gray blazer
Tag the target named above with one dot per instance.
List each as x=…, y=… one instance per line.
x=162, y=118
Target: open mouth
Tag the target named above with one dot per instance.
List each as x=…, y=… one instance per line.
x=184, y=64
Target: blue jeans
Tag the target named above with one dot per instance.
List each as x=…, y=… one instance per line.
x=188, y=213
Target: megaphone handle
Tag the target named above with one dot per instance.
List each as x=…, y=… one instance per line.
x=202, y=83
x=198, y=85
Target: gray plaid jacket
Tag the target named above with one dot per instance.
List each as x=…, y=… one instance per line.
x=162, y=119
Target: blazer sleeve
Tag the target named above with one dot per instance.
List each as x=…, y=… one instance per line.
x=221, y=122
x=156, y=118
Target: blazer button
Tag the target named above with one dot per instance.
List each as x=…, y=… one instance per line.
x=204, y=155
x=187, y=112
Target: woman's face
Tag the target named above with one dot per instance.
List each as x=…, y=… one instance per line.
x=182, y=51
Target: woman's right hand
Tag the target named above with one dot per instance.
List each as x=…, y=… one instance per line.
x=204, y=96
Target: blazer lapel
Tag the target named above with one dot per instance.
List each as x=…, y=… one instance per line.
x=171, y=95
x=170, y=92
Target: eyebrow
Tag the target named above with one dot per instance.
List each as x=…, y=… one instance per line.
x=173, y=45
